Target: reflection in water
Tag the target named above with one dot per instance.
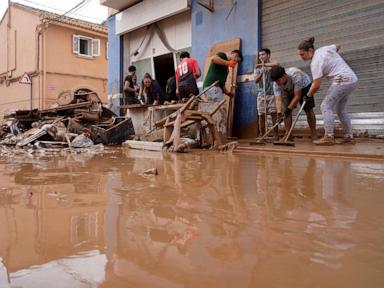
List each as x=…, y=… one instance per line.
x=207, y=220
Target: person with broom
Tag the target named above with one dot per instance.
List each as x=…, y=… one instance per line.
x=265, y=97
x=326, y=62
x=290, y=86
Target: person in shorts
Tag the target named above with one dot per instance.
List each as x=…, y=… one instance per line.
x=265, y=103
x=290, y=87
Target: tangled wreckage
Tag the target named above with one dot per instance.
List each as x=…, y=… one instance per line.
x=79, y=120
x=78, y=123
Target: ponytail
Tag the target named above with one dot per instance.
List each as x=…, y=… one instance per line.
x=307, y=44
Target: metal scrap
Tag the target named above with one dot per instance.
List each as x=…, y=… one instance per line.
x=78, y=119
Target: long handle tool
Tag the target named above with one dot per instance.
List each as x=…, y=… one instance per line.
x=285, y=140
x=260, y=141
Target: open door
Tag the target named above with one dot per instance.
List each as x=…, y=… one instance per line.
x=164, y=68
x=226, y=47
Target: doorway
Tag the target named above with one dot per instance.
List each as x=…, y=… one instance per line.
x=164, y=68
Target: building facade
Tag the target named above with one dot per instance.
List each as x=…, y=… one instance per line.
x=149, y=34
x=57, y=52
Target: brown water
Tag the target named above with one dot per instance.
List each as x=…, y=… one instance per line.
x=207, y=220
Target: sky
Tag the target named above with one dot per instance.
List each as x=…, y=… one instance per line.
x=92, y=11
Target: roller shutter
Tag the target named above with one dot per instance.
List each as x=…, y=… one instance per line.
x=357, y=25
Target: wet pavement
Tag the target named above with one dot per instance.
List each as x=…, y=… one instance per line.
x=206, y=220
x=365, y=149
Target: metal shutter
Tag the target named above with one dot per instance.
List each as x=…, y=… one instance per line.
x=357, y=25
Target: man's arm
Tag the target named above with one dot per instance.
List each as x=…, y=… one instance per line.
x=295, y=100
x=198, y=72
x=127, y=88
x=278, y=102
x=269, y=64
x=259, y=76
x=217, y=60
x=196, y=69
x=177, y=88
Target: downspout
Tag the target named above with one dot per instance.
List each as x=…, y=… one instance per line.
x=259, y=24
x=121, y=72
x=8, y=32
x=121, y=63
x=38, y=58
x=44, y=64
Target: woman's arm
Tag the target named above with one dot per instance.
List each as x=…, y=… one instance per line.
x=314, y=87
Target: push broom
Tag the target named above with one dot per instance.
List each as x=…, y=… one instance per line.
x=260, y=141
x=285, y=141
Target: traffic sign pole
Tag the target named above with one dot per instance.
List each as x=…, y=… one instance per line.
x=25, y=79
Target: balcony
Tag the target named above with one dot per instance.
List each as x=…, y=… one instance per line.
x=119, y=4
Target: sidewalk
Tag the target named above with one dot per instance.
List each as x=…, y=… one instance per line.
x=365, y=148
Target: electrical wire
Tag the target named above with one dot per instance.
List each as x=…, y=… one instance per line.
x=149, y=27
x=79, y=6
x=62, y=12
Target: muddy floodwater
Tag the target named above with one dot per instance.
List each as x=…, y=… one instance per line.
x=206, y=220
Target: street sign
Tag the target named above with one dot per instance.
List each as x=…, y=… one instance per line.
x=25, y=79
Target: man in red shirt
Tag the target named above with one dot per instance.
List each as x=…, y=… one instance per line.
x=186, y=74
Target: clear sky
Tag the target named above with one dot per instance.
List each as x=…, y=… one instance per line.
x=91, y=11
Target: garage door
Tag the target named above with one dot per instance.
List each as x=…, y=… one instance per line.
x=357, y=25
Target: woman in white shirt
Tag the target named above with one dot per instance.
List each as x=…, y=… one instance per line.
x=326, y=62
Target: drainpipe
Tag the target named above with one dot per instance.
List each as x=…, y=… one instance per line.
x=8, y=32
x=259, y=24
x=121, y=72
x=44, y=64
x=39, y=32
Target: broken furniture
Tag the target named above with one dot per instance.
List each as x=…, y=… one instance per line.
x=84, y=114
x=144, y=117
x=120, y=130
x=186, y=116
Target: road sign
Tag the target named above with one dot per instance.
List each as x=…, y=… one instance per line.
x=25, y=79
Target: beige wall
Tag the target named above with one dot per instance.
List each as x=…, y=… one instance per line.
x=56, y=83
x=59, y=69
x=66, y=70
x=20, y=51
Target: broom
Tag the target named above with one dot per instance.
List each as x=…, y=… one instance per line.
x=285, y=141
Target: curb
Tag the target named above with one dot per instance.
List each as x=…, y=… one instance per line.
x=298, y=151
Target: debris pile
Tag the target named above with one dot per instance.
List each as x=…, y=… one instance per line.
x=78, y=120
x=196, y=123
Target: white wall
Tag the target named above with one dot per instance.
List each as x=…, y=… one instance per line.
x=178, y=30
x=147, y=12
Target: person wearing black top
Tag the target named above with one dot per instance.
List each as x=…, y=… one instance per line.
x=151, y=91
x=130, y=89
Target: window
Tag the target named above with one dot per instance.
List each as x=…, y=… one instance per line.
x=86, y=46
